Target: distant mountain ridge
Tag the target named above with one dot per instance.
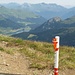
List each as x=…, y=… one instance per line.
x=49, y=10
x=45, y=10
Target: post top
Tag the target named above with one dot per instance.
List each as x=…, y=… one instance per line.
x=57, y=37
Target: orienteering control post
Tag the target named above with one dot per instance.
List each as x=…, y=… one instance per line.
x=56, y=48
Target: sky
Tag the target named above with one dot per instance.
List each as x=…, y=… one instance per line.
x=66, y=3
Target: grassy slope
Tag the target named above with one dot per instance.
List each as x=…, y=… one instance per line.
x=40, y=54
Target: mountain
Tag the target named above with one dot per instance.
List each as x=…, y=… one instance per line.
x=53, y=27
x=17, y=13
x=26, y=19
x=49, y=10
x=43, y=9
x=56, y=23
x=43, y=6
x=50, y=24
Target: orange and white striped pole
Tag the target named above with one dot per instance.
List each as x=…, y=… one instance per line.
x=56, y=48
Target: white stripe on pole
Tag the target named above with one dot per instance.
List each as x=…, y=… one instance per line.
x=56, y=59
x=57, y=53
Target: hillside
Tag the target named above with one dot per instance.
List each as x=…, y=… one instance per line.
x=56, y=23
x=23, y=20
x=19, y=56
x=55, y=26
x=8, y=26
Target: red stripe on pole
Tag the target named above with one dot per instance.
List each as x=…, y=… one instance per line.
x=55, y=71
x=56, y=49
x=55, y=44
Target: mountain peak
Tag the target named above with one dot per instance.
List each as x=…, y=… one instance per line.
x=27, y=4
x=55, y=19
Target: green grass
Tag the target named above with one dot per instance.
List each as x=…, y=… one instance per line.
x=1, y=49
x=40, y=54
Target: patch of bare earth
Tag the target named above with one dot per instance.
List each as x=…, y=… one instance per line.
x=18, y=64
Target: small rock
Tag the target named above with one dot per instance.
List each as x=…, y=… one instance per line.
x=7, y=64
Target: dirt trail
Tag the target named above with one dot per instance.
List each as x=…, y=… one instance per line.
x=13, y=63
x=17, y=64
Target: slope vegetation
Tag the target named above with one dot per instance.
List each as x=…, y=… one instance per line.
x=19, y=56
x=54, y=26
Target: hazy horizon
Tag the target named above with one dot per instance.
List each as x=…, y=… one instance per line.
x=64, y=3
